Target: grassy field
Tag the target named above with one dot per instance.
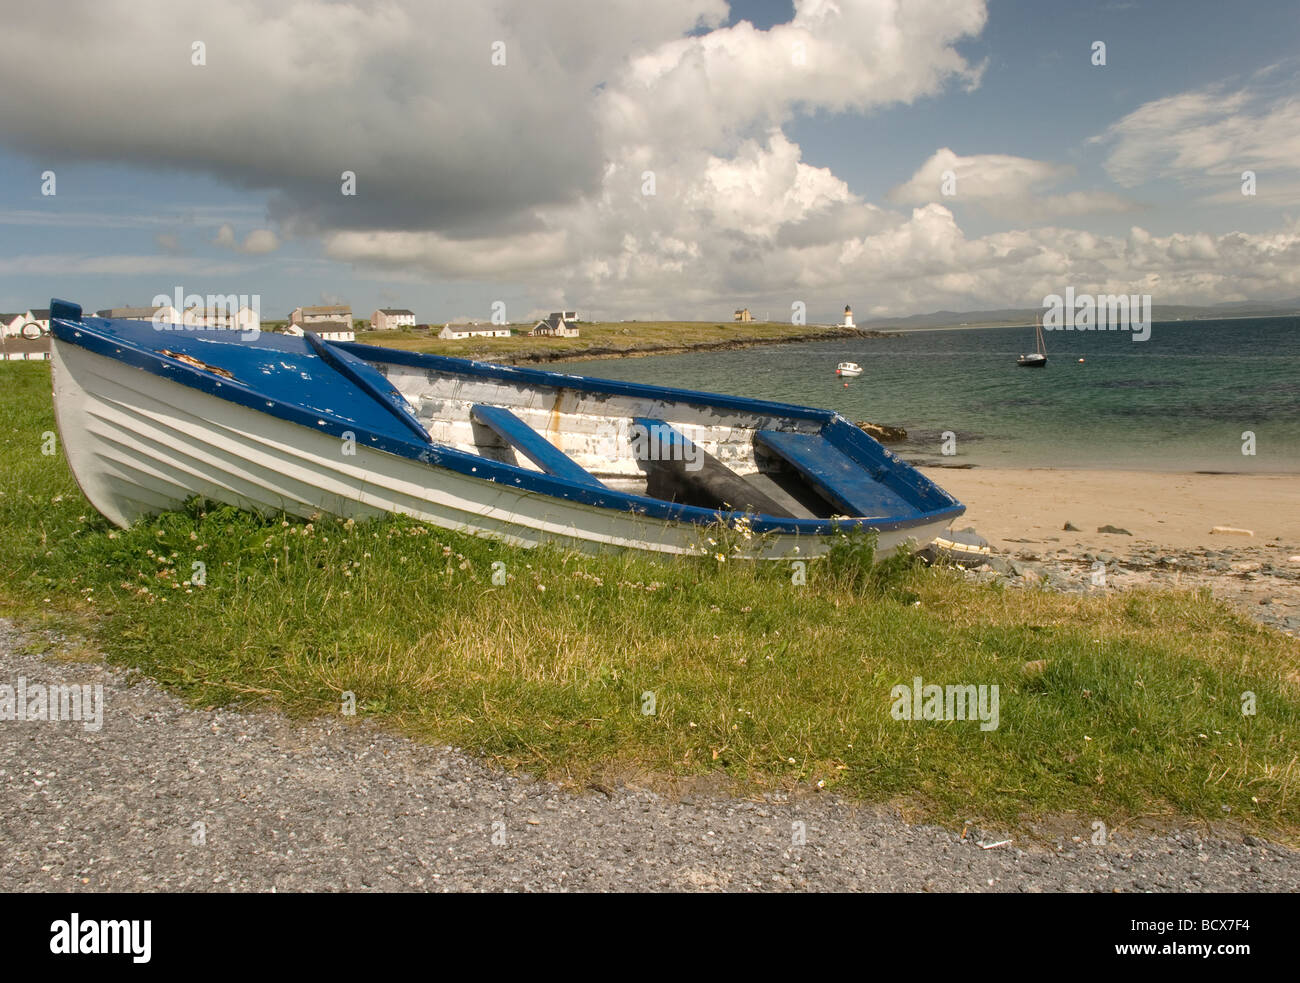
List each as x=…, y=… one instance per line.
x=1111, y=707
x=602, y=339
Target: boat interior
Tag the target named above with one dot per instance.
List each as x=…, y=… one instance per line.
x=679, y=451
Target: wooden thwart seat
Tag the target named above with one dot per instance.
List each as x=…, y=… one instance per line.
x=681, y=471
x=844, y=482
x=531, y=444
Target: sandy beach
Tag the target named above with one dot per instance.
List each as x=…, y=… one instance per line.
x=1168, y=518
x=1174, y=510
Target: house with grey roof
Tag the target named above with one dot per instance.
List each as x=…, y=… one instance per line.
x=391, y=318
x=557, y=324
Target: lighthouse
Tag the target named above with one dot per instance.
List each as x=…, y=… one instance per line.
x=848, y=316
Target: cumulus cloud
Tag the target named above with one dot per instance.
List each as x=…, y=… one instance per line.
x=256, y=242
x=1013, y=188
x=634, y=163
x=260, y=241
x=404, y=93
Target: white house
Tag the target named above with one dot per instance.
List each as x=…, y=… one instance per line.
x=30, y=324
x=328, y=330
x=454, y=331
x=243, y=319
x=391, y=318
x=160, y=315
x=558, y=324
x=305, y=316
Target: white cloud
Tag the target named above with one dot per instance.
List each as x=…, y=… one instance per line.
x=257, y=242
x=1206, y=138
x=510, y=255
x=260, y=241
x=1013, y=188
x=402, y=92
x=533, y=172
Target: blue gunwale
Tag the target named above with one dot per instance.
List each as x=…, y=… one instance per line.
x=114, y=339
x=579, y=383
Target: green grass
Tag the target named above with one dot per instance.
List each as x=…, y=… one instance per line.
x=629, y=337
x=1137, y=711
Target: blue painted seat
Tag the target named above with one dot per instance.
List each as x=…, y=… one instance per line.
x=531, y=444
x=845, y=483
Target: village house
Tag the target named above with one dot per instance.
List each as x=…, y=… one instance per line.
x=743, y=315
x=327, y=330
x=306, y=316
x=451, y=332
x=25, y=337
x=391, y=318
x=29, y=324
x=558, y=324
x=164, y=315
x=243, y=319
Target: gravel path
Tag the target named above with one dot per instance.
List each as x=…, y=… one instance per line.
x=328, y=806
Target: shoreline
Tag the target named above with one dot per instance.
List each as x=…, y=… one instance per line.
x=543, y=355
x=731, y=344
x=930, y=464
x=1168, y=518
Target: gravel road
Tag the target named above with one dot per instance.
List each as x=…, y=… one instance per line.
x=164, y=797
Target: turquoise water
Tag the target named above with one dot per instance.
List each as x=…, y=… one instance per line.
x=1179, y=401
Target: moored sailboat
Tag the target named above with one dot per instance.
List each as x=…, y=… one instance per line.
x=1038, y=358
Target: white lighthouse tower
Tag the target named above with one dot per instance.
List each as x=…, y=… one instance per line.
x=848, y=316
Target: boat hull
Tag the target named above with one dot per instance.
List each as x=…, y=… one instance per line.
x=140, y=443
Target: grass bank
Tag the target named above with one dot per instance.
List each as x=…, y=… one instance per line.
x=1111, y=707
x=613, y=339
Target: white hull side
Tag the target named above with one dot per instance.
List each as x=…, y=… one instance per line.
x=139, y=444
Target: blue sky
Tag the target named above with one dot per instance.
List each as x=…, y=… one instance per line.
x=774, y=183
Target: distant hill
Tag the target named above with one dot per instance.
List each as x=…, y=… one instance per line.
x=1026, y=315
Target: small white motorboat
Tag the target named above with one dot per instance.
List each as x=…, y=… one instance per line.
x=150, y=418
x=848, y=369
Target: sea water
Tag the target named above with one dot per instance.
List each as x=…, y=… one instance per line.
x=1205, y=395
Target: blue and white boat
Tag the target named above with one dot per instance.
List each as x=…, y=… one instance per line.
x=152, y=415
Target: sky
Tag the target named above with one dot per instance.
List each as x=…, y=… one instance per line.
x=679, y=159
